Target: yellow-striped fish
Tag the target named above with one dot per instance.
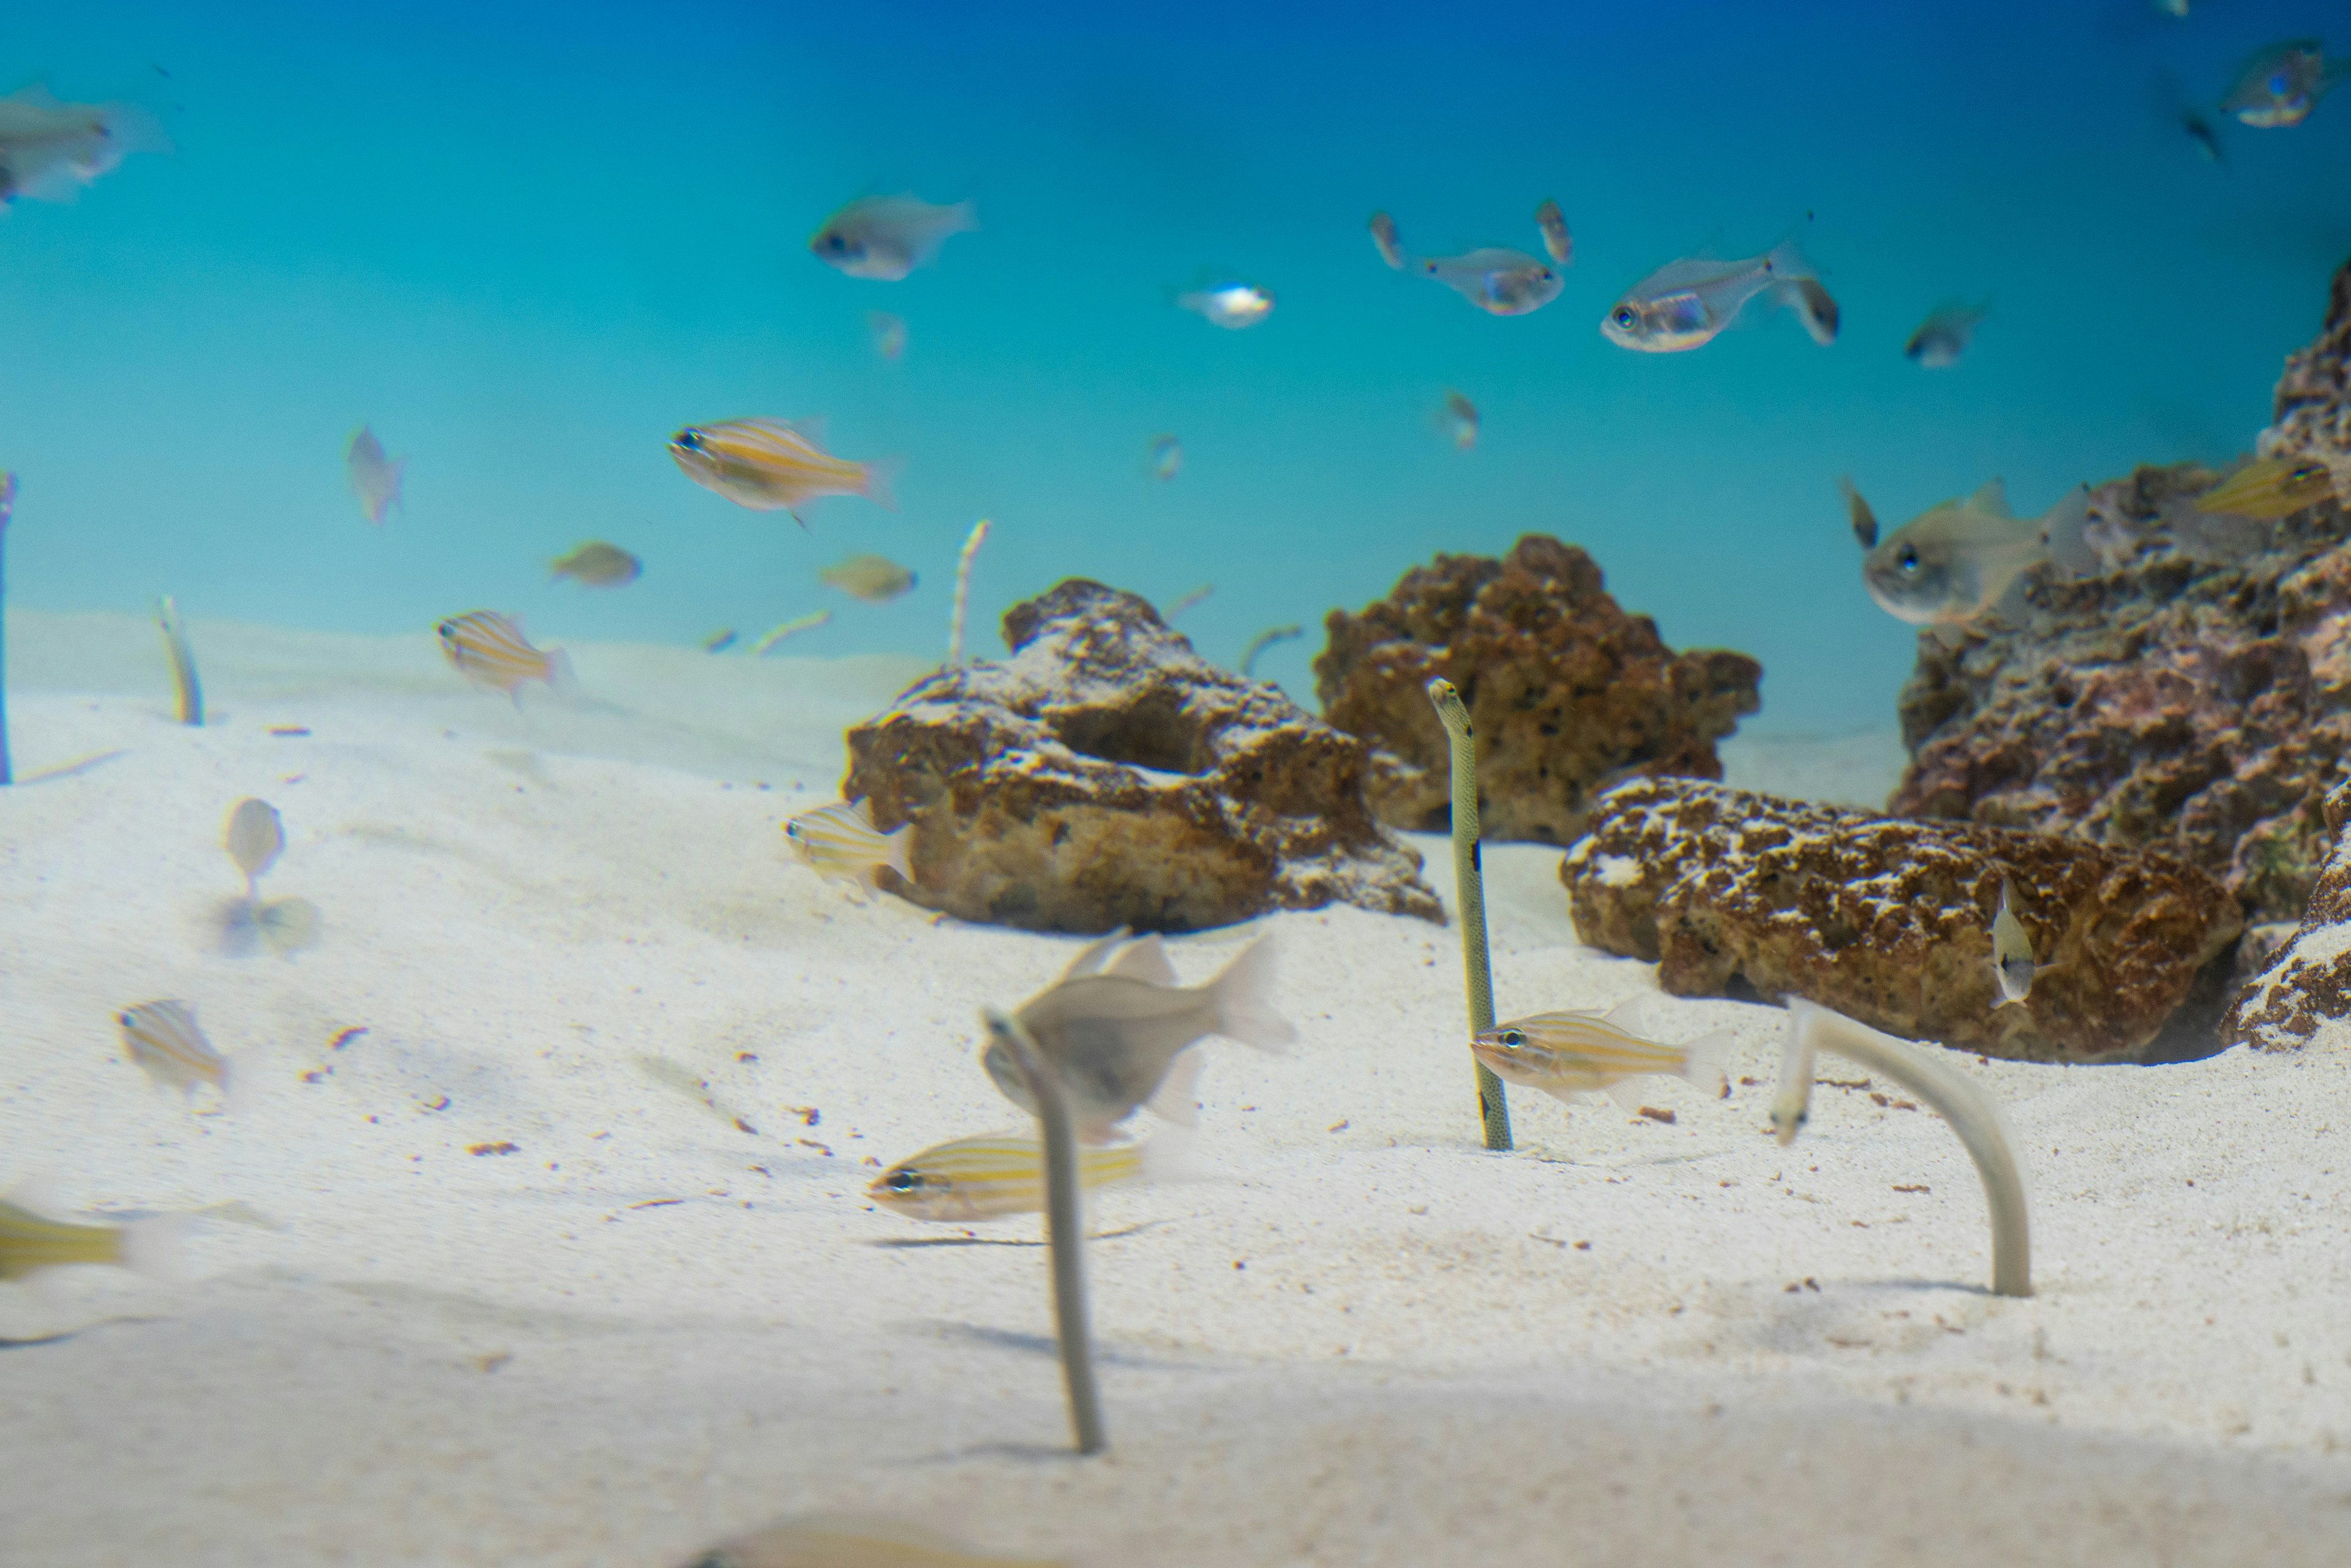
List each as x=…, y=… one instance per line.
x=992, y=1175
x=774, y=465
x=1568, y=1055
x=840, y=840
x=2270, y=489
x=30, y=1242
x=843, y=1541
x=162, y=1039
x=489, y=650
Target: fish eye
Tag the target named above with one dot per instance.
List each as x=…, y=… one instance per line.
x=1624, y=315
x=125, y=1019
x=902, y=1180
x=447, y=629
x=689, y=438
x=1512, y=1039
x=1909, y=559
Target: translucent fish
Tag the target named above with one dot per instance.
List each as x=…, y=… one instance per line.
x=2012, y=967
x=830, y=1540
x=1388, y=242
x=163, y=1040
x=490, y=650
x=1115, y=1023
x=777, y=634
x=1686, y=304
x=2270, y=488
x=1956, y=560
x=774, y=465
x=1573, y=1054
x=375, y=477
x=1166, y=456
x=31, y=1242
x=1944, y=334
x=598, y=565
x=889, y=333
x=1496, y=279
x=877, y=580
x=1458, y=419
x=992, y=1175
x=1557, y=241
x=840, y=840
x=253, y=838
x=50, y=150
x=2280, y=85
x=886, y=237
x=1232, y=306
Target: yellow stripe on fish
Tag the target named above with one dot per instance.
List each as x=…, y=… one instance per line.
x=30, y=1242
x=162, y=1039
x=2270, y=489
x=1572, y=1054
x=840, y=840
x=990, y=1176
x=489, y=650
x=773, y=465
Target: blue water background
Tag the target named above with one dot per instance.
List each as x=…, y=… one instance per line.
x=527, y=242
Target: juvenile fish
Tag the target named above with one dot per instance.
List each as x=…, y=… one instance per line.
x=50, y=149
x=2280, y=85
x=774, y=465
x=1232, y=306
x=990, y=1176
x=1112, y=1028
x=490, y=650
x=1944, y=334
x=886, y=237
x=874, y=578
x=1496, y=279
x=375, y=477
x=1575, y=1053
x=30, y=1242
x=1954, y=561
x=1556, y=239
x=1167, y=457
x=2270, y=488
x=1686, y=304
x=162, y=1039
x=1386, y=241
x=835, y=1540
x=1458, y=419
x=598, y=565
x=840, y=840
x=889, y=334
x=253, y=838
x=2012, y=967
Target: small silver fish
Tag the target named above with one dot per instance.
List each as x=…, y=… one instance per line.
x=1686, y=304
x=1167, y=457
x=886, y=237
x=2280, y=85
x=253, y=838
x=1944, y=334
x=877, y=580
x=163, y=1040
x=1458, y=419
x=375, y=477
x=1496, y=279
x=1112, y=1026
x=2012, y=967
x=1954, y=561
x=50, y=149
x=840, y=840
x=1232, y=306
x=595, y=564
x=1573, y=1054
x=1557, y=241
x=1386, y=241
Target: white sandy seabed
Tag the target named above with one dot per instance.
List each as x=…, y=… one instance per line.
x=1355, y=1337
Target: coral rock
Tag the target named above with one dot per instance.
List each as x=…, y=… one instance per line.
x=1888, y=921
x=1106, y=775
x=2307, y=981
x=2312, y=414
x=1567, y=693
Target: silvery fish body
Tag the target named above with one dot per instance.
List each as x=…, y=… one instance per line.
x=877, y=580
x=254, y=838
x=1496, y=279
x=1231, y=306
x=598, y=565
x=2012, y=965
x=1944, y=334
x=50, y=149
x=1687, y=304
x=1557, y=242
x=2280, y=85
x=1954, y=561
x=886, y=237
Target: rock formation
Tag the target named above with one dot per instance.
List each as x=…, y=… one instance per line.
x=1566, y=691
x=2312, y=414
x=1887, y=921
x=1106, y=775
x=2307, y=981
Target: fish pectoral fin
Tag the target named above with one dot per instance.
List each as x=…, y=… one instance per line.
x=1625, y=1094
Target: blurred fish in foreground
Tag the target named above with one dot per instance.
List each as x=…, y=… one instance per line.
x=2270, y=488
x=1167, y=457
x=1946, y=333
x=1686, y=304
x=31, y=1242
x=596, y=565
x=774, y=464
x=1232, y=306
x=876, y=579
x=1496, y=279
x=2280, y=85
x=889, y=334
x=375, y=477
x=1557, y=241
x=840, y=840
x=255, y=837
x=992, y=1175
x=1954, y=561
x=1458, y=419
x=1575, y=1054
x=886, y=237
x=840, y=1541
x=787, y=628
x=490, y=650
x=163, y=1039
x=50, y=150
x=1385, y=240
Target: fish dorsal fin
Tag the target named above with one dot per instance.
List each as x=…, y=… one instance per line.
x=1089, y=956
x=1146, y=959
x=1991, y=496
x=811, y=428
x=1625, y=1015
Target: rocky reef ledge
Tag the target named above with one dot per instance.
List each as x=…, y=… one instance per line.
x=1738, y=894
x=1106, y=775
x=2309, y=981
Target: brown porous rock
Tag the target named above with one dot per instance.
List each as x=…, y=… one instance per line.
x=1888, y=921
x=2307, y=981
x=1106, y=775
x=1567, y=693
x=2311, y=416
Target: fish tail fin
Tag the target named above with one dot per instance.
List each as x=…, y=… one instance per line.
x=1706, y=1061
x=156, y=1248
x=1243, y=996
x=561, y=676
x=1178, y=1098
x=880, y=483
x=1815, y=308
x=898, y=852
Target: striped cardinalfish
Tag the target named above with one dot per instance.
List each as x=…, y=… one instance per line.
x=1571, y=1054
x=774, y=465
x=990, y=1176
x=2269, y=489
x=489, y=650
x=163, y=1040
x=30, y=1242
x=843, y=1541
x=840, y=840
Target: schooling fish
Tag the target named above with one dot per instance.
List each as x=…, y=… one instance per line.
x=1458, y=419
x=1557, y=241
x=375, y=477
x=840, y=840
x=2012, y=950
x=1386, y=241
x=889, y=333
x=1685, y=304
x=840, y=1541
x=50, y=149
x=1496, y=279
x=1952, y=562
x=1232, y=306
x=162, y=1039
x=489, y=650
x=1944, y=335
x=874, y=578
x=1571, y=1054
x=886, y=237
x=598, y=565
x=2270, y=488
x=2280, y=85
x=253, y=838
x=990, y=1176
x=1111, y=1026
x=30, y=1242
x=774, y=465
x=1167, y=457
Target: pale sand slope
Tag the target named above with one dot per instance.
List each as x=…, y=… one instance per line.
x=408, y=1353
